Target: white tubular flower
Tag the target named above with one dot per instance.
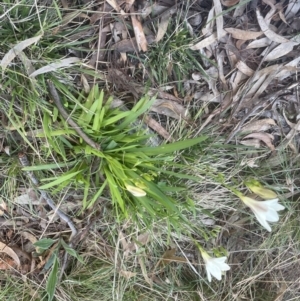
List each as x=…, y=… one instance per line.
x=265, y=211
x=137, y=192
x=214, y=266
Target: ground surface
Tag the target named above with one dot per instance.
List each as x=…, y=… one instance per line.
x=223, y=72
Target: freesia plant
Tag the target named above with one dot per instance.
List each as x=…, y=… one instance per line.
x=126, y=168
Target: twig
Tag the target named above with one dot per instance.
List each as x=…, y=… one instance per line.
x=24, y=161
x=66, y=116
x=75, y=241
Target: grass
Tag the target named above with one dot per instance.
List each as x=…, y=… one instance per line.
x=188, y=182
x=171, y=60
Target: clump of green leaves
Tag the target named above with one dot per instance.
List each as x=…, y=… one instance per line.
x=124, y=166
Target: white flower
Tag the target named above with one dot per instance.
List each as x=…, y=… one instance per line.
x=214, y=266
x=137, y=192
x=265, y=211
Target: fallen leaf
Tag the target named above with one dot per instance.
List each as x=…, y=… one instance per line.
x=284, y=74
x=16, y=50
x=71, y=16
x=266, y=80
x=280, y=51
x=194, y=18
x=129, y=3
x=207, y=41
x=244, y=68
x=282, y=289
x=259, y=125
x=25, y=199
x=127, y=274
x=7, y=264
x=85, y=84
x=267, y=31
x=65, y=4
x=169, y=108
x=169, y=256
x=243, y=34
x=3, y=207
x=54, y=66
x=144, y=270
x=29, y=236
x=32, y=239
x=292, y=9
x=263, y=42
x=261, y=79
x=163, y=25
x=291, y=124
x=10, y=252
x=130, y=45
x=229, y=3
x=115, y=5
x=141, y=240
x=251, y=142
x=219, y=18
x=282, y=16
x=264, y=137
x=123, y=241
x=158, y=128
x=26, y=62
x=138, y=32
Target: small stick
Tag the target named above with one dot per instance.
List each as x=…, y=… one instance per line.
x=66, y=116
x=24, y=161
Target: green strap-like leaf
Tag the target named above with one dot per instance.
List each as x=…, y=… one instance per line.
x=52, y=280
x=168, y=148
